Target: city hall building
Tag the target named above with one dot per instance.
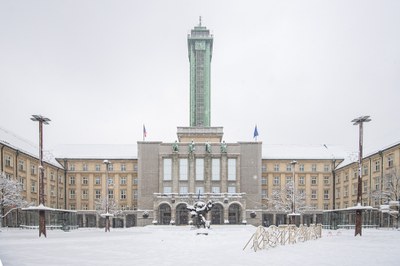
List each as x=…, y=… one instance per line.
x=152, y=182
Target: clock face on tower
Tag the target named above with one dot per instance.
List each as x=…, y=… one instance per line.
x=200, y=45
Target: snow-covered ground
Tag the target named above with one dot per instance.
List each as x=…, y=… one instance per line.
x=180, y=245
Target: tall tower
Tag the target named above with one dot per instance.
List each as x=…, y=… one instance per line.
x=200, y=44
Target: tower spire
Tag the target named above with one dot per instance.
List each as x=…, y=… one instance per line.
x=199, y=21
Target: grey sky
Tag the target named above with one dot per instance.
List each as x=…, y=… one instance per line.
x=300, y=70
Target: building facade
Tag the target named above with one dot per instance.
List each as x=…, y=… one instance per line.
x=152, y=182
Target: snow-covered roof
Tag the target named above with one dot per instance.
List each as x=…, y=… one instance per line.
x=292, y=151
x=96, y=151
x=16, y=142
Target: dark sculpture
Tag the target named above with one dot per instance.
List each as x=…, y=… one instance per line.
x=198, y=212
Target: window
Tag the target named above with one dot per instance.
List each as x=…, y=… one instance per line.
x=313, y=194
x=72, y=194
x=346, y=176
x=72, y=207
x=111, y=193
x=51, y=175
x=216, y=189
x=97, y=167
x=183, y=169
x=110, y=167
x=264, y=181
x=85, y=180
x=264, y=168
x=72, y=167
x=200, y=169
x=135, y=194
x=326, y=180
x=33, y=186
x=123, y=167
x=365, y=169
x=288, y=179
x=135, y=168
x=288, y=167
x=84, y=167
x=21, y=165
x=97, y=194
x=122, y=194
x=327, y=167
x=377, y=166
x=326, y=194
x=301, y=167
x=215, y=169
x=167, y=167
x=8, y=161
x=135, y=181
x=302, y=180
x=110, y=180
x=276, y=167
x=337, y=192
x=313, y=167
x=72, y=180
x=85, y=207
x=85, y=194
x=264, y=193
x=231, y=189
x=355, y=189
x=183, y=190
x=97, y=180
x=313, y=180
x=33, y=169
x=277, y=180
x=355, y=173
x=122, y=180
x=326, y=206
x=390, y=161
x=376, y=179
x=365, y=186
x=231, y=169
x=167, y=190
x=22, y=181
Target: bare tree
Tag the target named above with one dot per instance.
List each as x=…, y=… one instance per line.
x=10, y=195
x=282, y=199
x=113, y=207
x=390, y=190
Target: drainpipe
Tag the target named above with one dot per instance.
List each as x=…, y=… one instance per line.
x=1, y=158
x=381, y=188
x=65, y=184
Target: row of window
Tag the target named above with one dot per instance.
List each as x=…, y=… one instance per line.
x=98, y=194
x=314, y=193
x=301, y=168
x=97, y=167
x=301, y=180
x=97, y=180
x=199, y=189
x=199, y=169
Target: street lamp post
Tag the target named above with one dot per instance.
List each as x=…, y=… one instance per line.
x=293, y=163
x=359, y=121
x=107, y=215
x=42, y=218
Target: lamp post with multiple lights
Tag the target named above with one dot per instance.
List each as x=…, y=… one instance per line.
x=42, y=218
x=359, y=121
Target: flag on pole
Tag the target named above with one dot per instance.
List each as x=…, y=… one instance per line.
x=144, y=132
x=255, y=135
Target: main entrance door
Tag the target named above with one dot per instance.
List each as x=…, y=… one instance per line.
x=165, y=214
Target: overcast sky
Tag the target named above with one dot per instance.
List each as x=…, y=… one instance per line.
x=300, y=70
